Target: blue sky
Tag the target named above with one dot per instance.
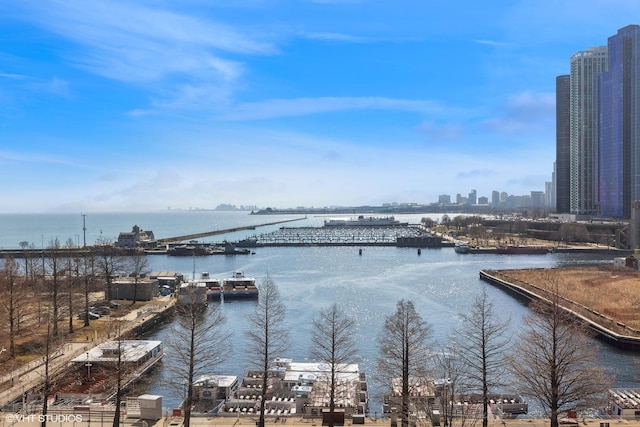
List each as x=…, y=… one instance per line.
x=143, y=105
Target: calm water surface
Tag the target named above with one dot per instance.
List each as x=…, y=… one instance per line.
x=440, y=282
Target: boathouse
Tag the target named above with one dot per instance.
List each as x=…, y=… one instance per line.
x=137, y=238
x=125, y=288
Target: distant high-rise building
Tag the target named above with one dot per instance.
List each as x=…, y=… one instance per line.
x=563, y=163
x=548, y=194
x=444, y=199
x=495, y=198
x=618, y=100
x=459, y=199
x=537, y=199
x=586, y=66
x=473, y=197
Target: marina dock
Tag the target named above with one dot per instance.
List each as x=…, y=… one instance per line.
x=410, y=236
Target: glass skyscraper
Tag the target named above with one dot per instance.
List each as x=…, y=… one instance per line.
x=618, y=127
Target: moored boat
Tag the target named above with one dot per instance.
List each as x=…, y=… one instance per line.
x=365, y=221
x=461, y=248
x=239, y=286
x=213, y=285
x=192, y=293
x=189, y=250
x=91, y=374
x=522, y=250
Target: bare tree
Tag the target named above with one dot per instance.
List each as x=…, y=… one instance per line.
x=485, y=340
x=268, y=337
x=404, y=351
x=450, y=373
x=108, y=262
x=12, y=297
x=334, y=344
x=47, y=358
x=198, y=342
x=119, y=368
x=54, y=282
x=554, y=360
x=87, y=275
x=72, y=278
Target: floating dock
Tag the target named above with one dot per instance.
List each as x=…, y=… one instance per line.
x=411, y=236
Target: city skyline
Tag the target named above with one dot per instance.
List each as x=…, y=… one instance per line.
x=112, y=106
x=597, y=127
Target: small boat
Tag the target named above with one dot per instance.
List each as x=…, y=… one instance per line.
x=189, y=250
x=213, y=285
x=239, y=287
x=461, y=248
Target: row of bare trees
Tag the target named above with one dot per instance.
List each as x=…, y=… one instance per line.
x=57, y=282
x=553, y=360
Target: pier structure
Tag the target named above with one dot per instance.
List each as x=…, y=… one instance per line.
x=196, y=236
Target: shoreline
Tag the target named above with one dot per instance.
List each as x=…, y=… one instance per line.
x=607, y=329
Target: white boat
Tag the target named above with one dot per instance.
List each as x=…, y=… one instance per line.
x=239, y=287
x=365, y=221
x=91, y=374
x=192, y=292
x=213, y=285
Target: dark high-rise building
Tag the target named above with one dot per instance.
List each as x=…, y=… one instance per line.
x=563, y=141
x=618, y=129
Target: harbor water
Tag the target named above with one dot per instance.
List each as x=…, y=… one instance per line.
x=441, y=283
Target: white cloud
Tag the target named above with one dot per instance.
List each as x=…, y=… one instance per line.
x=302, y=106
x=137, y=44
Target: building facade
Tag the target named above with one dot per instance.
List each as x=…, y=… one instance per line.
x=563, y=163
x=586, y=66
x=619, y=126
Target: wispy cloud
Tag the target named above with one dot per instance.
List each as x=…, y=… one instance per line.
x=441, y=131
x=524, y=111
x=477, y=173
x=338, y=37
x=138, y=44
x=303, y=106
x=11, y=76
x=493, y=43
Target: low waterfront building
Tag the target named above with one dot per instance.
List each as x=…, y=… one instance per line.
x=137, y=238
x=128, y=288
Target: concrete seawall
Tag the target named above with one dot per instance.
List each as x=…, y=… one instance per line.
x=606, y=329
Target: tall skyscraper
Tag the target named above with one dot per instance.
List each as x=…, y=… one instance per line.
x=618, y=130
x=473, y=197
x=586, y=66
x=563, y=162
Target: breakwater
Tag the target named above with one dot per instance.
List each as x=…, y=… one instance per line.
x=606, y=328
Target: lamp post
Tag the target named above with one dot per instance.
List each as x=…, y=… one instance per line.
x=88, y=365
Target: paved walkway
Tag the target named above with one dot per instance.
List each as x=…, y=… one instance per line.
x=32, y=375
